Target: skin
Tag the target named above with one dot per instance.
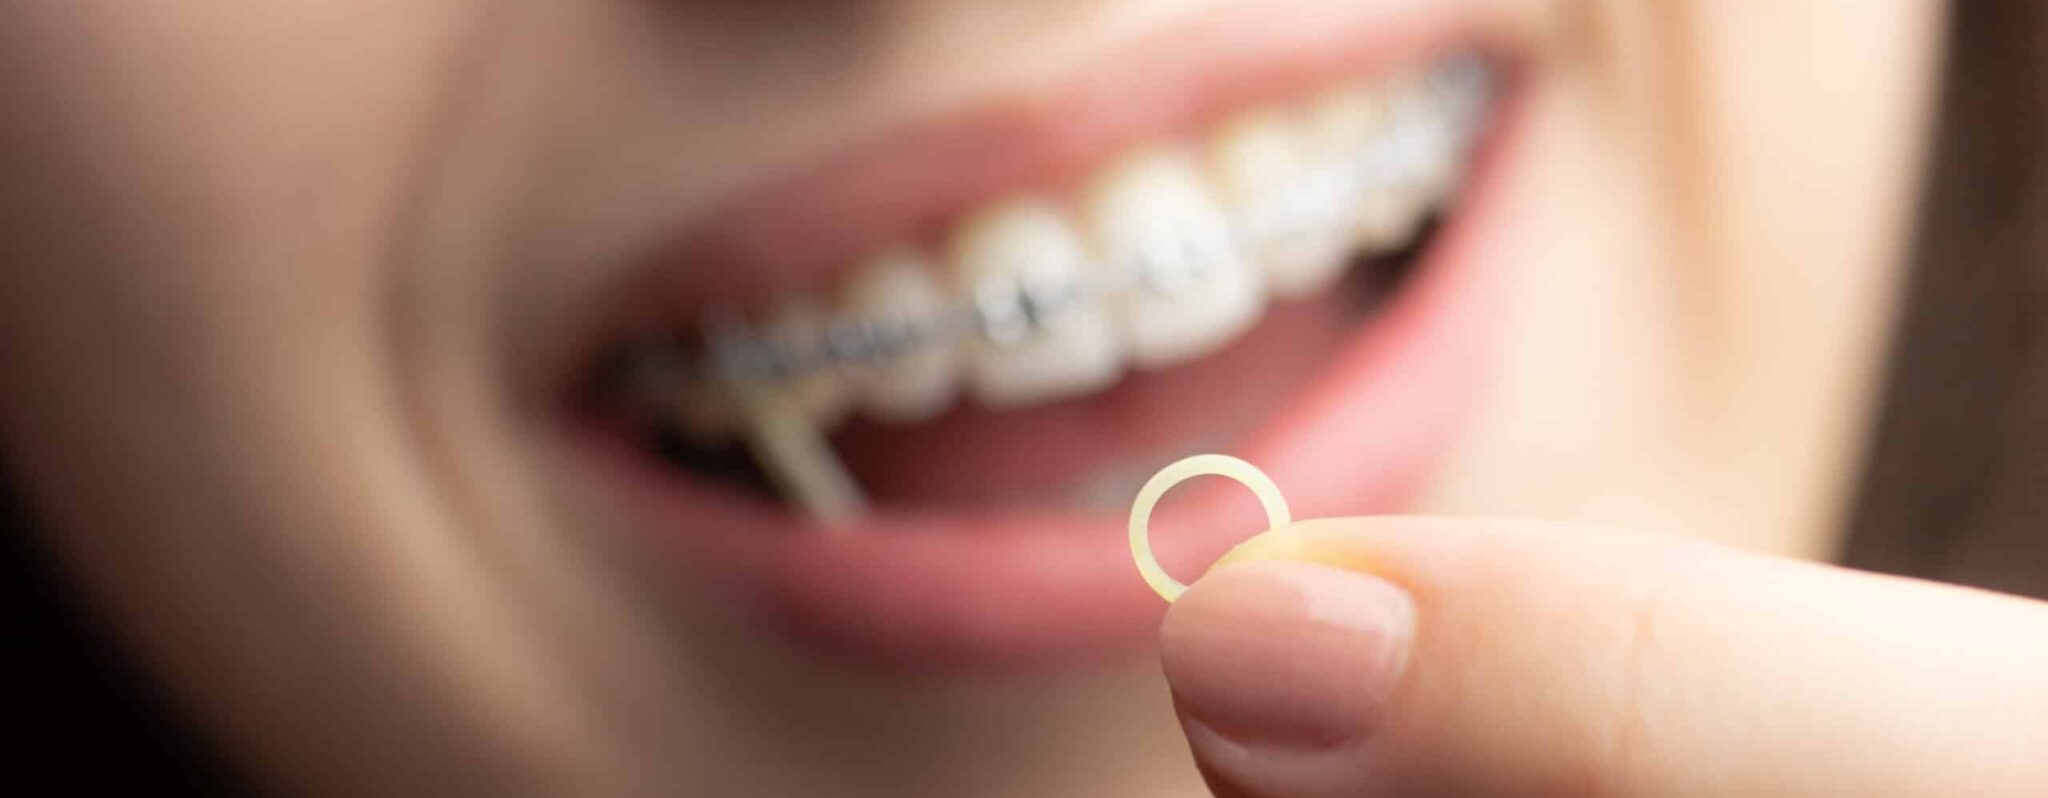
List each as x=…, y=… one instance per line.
x=1436, y=656
x=288, y=286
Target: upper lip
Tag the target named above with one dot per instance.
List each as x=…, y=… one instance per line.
x=906, y=597
x=794, y=231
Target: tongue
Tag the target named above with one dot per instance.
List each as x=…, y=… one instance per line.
x=1050, y=455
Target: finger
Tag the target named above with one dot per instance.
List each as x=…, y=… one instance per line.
x=1518, y=659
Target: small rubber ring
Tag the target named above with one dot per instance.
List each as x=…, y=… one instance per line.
x=1221, y=465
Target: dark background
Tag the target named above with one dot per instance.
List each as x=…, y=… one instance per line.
x=76, y=717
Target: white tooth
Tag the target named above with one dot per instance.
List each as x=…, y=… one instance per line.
x=1462, y=85
x=1266, y=168
x=1344, y=121
x=1027, y=249
x=1153, y=212
x=1350, y=128
x=1424, y=142
x=898, y=288
x=800, y=321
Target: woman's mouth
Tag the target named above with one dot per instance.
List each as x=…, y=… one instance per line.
x=897, y=406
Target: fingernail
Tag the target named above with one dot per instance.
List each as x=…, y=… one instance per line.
x=1287, y=654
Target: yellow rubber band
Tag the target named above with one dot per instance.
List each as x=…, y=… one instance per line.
x=1221, y=465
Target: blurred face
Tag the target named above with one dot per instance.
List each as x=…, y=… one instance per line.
x=721, y=398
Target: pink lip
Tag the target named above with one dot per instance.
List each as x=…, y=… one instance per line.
x=955, y=590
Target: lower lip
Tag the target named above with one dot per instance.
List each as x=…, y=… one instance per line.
x=959, y=591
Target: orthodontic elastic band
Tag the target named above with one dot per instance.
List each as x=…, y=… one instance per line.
x=1222, y=465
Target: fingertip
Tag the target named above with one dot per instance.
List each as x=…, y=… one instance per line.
x=1287, y=654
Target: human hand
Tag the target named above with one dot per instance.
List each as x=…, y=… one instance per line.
x=1504, y=658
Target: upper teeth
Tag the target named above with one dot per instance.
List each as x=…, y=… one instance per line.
x=1286, y=205
x=1026, y=268
x=899, y=288
x=1174, y=256
x=1155, y=217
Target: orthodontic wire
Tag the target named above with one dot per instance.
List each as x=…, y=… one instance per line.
x=1009, y=312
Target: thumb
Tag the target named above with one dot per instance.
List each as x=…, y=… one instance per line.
x=1452, y=657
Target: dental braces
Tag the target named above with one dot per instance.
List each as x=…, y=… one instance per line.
x=759, y=373
x=1439, y=120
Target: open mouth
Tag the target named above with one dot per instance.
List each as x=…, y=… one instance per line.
x=908, y=432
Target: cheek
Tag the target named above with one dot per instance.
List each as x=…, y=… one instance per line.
x=1711, y=242
x=208, y=196
x=203, y=182
x=223, y=142
x=1807, y=125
